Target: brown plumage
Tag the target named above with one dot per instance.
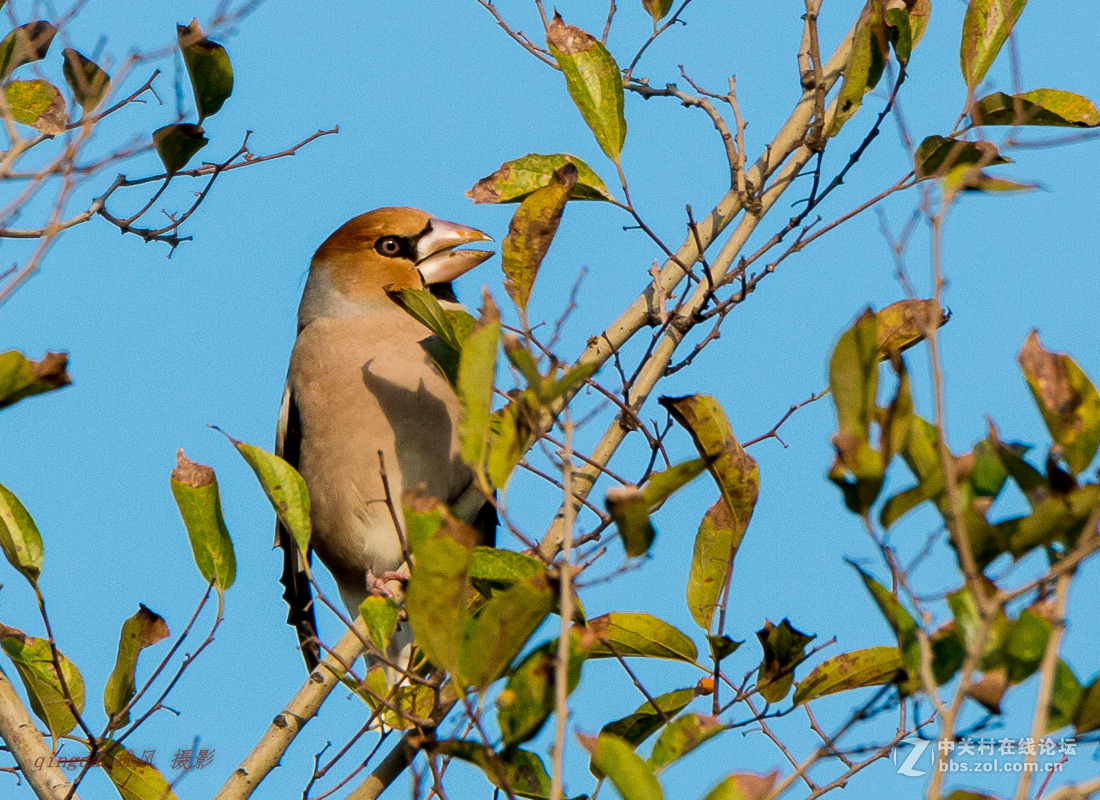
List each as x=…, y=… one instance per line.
x=359, y=385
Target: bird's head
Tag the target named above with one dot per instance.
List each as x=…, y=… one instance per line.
x=395, y=248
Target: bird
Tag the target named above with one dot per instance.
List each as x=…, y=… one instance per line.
x=363, y=398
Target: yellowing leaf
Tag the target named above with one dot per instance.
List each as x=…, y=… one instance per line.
x=133, y=778
x=476, y=369
x=903, y=324
x=33, y=659
x=530, y=233
x=865, y=64
x=869, y=667
x=594, y=82
x=1037, y=107
x=284, y=487
x=743, y=786
x=638, y=634
x=517, y=179
x=985, y=28
x=143, y=629
x=38, y=104
x=19, y=536
x=681, y=736
x=1067, y=400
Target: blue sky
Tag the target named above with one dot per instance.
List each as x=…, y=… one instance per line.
x=428, y=101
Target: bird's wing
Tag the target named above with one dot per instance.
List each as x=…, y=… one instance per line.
x=295, y=577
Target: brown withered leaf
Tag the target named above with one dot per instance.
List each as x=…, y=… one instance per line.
x=20, y=377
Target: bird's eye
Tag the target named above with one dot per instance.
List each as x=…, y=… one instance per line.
x=389, y=246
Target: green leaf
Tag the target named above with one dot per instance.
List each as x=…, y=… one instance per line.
x=985, y=28
x=865, y=65
x=1026, y=643
x=33, y=659
x=143, y=629
x=20, y=377
x=784, y=647
x=24, y=45
x=722, y=646
x=493, y=568
x=501, y=628
x=638, y=634
x=681, y=736
x=508, y=430
x=1037, y=107
x=176, y=143
x=1067, y=400
x=1086, y=717
x=37, y=103
x=630, y=506
x=284, y=488
x=476, y=369
x=446, y=348
x=632, y=777
x=1064, y=698
x=133, y=778
x=647, y=720
x=872, y=666
x=88, y=83
x=517, y=179
x=527, y=699
x=743, y=786
x=19, y=537
x=900, y=33
x=380, y=616
x=435, y=599
x=521, y=771
x=937, y=156
x=901, y=622
x=1052, y=519
x=657, y=8
x=530, y=233
x=196, y=491
x=594, y=82
x=903, y=324
x=209, y=68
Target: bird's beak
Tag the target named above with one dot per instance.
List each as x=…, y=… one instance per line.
x=438, y=262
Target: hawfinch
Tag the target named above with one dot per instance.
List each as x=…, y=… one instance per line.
x=362, y=395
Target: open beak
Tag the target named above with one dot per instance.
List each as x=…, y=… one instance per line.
x=437, y=259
